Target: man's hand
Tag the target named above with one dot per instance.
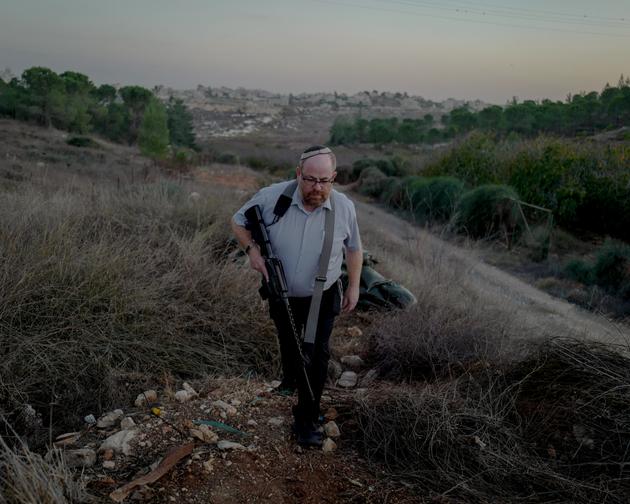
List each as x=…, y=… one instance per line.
x=350, y=299
x=257, y=262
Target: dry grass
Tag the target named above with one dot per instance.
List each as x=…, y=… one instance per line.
x=99, y=284
x=552, y=427
x=28, y=478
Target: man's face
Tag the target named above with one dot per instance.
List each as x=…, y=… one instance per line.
x=317, y=167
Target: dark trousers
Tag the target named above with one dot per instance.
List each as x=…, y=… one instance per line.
x=317, y=371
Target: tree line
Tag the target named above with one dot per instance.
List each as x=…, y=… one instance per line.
x=584, y=113
x=72, y=102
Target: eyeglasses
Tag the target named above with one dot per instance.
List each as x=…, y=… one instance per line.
x=312, y=181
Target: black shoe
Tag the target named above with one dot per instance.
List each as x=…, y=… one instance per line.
x=309, y=437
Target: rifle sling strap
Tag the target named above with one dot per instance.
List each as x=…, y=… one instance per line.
x=282, y=205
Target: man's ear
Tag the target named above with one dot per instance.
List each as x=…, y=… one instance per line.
x=298, y=172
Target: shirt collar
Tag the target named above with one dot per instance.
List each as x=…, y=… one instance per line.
x=297, y=200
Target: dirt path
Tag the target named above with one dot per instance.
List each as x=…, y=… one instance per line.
x=535, y=311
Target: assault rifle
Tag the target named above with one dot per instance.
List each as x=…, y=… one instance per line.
x=276, y=288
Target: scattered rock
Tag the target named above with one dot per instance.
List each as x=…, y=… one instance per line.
x=331, y=414
x=89, y=419
x=205, y=434
x=119, y=442
x=208, y=466
x=334, y=370
x=227, y=408
x=109, y=464
x=229, y=445
x=146, y=398
x=348, y=379
x=331, y=429
x=188, y=388
x=329, y=445
x=369, y=378
x=83, y=457
x=251, y=422
x=354, y=332
x=235, y=402
x=275, y=421
x=66, y=439
x=183, y=396
x=353, y=362
x=110, y=419
x=360, y=393
x=275, y=384
x=127, y=423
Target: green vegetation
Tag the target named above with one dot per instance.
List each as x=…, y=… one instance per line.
x=72, y=102
x=153, y=133
x=580, y=114
x=488, y=210
x=585, y=185
x=610, y=270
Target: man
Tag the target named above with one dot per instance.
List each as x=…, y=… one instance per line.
x=297, y=239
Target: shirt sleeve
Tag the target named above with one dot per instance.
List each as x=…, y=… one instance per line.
x=353, y=240
x=260, y=198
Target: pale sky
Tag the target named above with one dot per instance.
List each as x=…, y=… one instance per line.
x=491, y=49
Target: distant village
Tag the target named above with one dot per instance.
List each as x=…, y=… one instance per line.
x=227, y=112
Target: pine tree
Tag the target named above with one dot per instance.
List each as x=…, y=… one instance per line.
x=153, y=136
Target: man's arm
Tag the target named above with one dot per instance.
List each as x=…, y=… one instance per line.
x=354, y=263
x=244, y=238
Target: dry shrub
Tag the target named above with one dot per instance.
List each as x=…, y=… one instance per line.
x=28, y=478
x=97, y=284
x=426, y=342
x=552, y=427
x=572, y=398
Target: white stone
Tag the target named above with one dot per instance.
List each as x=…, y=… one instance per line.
x=188, y=388
x=109, y=464
x=331, y=429
x=146, y=398
x=251, y=422
x=119, y=442
x=205, y=434
x=229, y=445
x=353, y=362
x=110, y=419
x=348, y=379
x=127, y=423
x=275, y=384
x=329, y=445
x=275, y=421
x=183, y=396
x=227, y=408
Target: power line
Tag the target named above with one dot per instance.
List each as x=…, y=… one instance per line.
x=461, y=7
x=470, y=20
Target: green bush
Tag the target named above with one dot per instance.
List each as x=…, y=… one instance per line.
x=392, y=192
x=579, y=271
x=372, y=182
x=435, y=198
x=612, y=267
x=585, y=185
x=227, y=158
x=485, y=210
x=360, y=165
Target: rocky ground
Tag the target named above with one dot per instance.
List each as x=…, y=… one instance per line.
x=159, y=448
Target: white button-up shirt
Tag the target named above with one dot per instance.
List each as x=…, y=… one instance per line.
x=297, y=238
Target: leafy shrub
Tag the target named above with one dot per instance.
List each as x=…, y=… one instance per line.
x=392, y=192
x=612, y=267
x=372, y=181
x=360, y=165
x=585, y=185
x=435, y=198
x=580, y=271
x=485, y=210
